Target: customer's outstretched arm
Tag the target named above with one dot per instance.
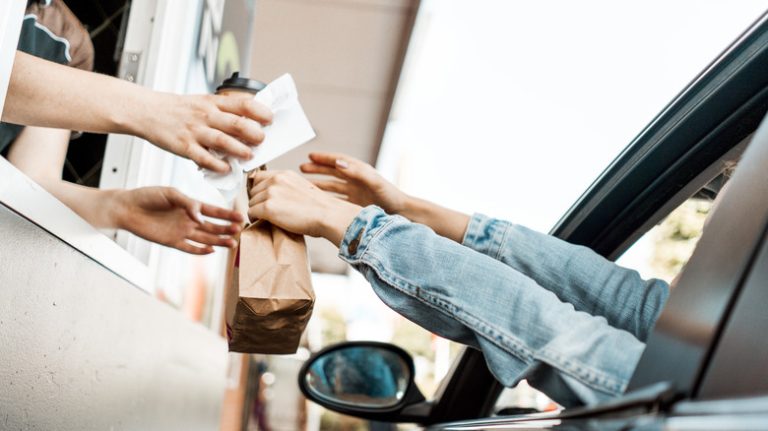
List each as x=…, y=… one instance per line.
x=575, y=274
x=361, y=184
x=523, y=329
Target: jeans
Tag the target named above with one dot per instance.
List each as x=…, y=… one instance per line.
x=559, y=315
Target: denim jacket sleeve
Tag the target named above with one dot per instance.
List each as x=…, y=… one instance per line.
x=575, y=274
x=471, y=298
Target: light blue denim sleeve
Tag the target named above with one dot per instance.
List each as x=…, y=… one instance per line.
x=471, y=298
x=576, y=274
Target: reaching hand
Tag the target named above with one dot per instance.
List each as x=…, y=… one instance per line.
x=360, y=183
x=166, y=216
x=288, y=200
x=189, y=126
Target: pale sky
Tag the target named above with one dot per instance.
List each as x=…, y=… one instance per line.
x=512, y=108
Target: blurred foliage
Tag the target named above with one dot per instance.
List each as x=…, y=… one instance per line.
x=677, y=236
x=334, y=328
x=332, y=421
x=414, y=339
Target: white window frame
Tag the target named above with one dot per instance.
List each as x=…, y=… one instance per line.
x=11, y=14
x=160, y=51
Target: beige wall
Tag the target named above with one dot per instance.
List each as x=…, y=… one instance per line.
x=83, y=349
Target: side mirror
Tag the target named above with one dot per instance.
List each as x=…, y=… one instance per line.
x=364, y=379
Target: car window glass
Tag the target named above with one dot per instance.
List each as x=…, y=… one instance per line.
x=664, y=250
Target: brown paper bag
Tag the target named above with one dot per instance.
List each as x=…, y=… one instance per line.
x=271, y=296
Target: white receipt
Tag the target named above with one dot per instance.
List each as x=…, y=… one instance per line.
x=290, y=128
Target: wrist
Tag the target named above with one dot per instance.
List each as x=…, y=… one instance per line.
x=135, y=114
x=116, y=209
x=412, y=208
x=337, y=219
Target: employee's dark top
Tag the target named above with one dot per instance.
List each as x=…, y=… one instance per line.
x=50, y=31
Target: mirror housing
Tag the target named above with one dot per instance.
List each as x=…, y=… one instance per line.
x=403, y=404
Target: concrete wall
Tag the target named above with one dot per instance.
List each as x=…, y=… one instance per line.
x=80, y=348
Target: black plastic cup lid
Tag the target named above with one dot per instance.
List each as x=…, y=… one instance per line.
x=235, y=82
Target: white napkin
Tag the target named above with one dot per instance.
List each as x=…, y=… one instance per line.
x=289, y=129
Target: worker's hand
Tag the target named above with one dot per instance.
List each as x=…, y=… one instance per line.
x=166, y=216
x=288, y=200
x=357, y=181
x=189, y=126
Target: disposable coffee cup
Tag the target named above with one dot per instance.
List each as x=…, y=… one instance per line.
x=236, y=84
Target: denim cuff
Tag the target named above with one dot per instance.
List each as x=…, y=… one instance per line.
x=363, y=229
x=486, y=235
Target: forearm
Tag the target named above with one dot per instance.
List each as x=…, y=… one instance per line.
x=98, y=207
x=460, y=294
x=109, y=105
x=575, y=274
x=444, y=221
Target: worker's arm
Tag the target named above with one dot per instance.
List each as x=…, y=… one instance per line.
x=158, y=214
x=43, y=93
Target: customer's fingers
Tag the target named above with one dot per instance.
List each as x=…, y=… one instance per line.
x=345, y=165
x=224, y=143
x=331, y=186
x=330, y=159
x=206, y=160
x=261, y=181
x=258, y=197
x=258, y=211
x=245, y=105
x=247, y=130
x=210, y=239
x=314, y=168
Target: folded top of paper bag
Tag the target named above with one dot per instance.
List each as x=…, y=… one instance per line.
x=289, y=129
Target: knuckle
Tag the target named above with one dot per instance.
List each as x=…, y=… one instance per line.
x=238, y=125
x=245, y=105
x=222, y=139
x=268, y=207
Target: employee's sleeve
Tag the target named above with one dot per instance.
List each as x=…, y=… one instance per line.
x=575, y=274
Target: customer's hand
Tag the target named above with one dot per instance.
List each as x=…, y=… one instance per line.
x=288, y=200
x=166, y=216
x=189, y=126
x=359, y=182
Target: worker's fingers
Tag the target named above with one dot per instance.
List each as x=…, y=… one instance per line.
x=210, y=239
x=180, y=200
x=245, y=106
x=245, y=129
x=223, y=143
x=205, y=159
x=192, y=249
x=221, y=213
x=219, y=229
